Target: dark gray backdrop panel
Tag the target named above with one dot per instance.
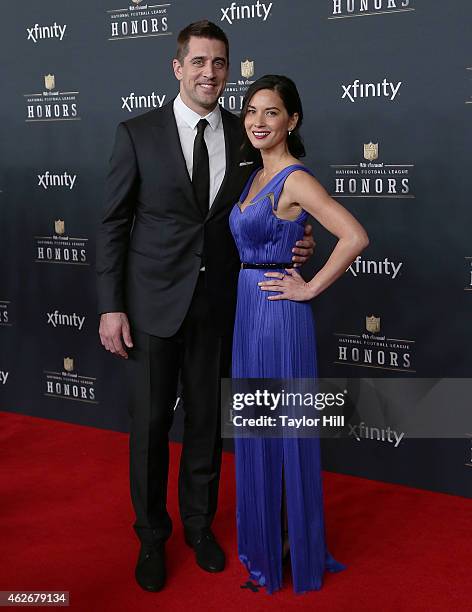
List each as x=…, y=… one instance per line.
x=427, y=127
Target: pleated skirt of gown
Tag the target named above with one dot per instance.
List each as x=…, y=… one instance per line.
x=276, y=339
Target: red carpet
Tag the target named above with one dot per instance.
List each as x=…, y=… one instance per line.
x=66, y=524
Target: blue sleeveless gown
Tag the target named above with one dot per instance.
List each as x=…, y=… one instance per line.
x=275, y=339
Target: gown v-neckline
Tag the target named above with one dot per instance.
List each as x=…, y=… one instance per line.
x=256, y=198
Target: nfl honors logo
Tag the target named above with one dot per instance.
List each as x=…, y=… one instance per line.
x=247, y=69
x=70, y=384
x=343, y=9
x=371, y=151
x=50, y=104
x=49, y=82
x=139, y=20
x=468, y=261
x=372, y=324
x=61, y=249
x=59, y=227
x=234, y=93
x=4, y=314
x=370, y=350
x=469, y=100
x=371, y=178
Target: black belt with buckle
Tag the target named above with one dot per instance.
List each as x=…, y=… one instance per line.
x=265, y=266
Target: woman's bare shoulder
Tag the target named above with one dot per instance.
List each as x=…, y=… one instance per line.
x=300, y=181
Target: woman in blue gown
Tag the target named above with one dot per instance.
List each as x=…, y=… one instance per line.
x=274, y=337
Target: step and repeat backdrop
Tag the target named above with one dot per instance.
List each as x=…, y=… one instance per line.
x=387, y=92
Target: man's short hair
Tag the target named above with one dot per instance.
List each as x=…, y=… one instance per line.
x=199, y=29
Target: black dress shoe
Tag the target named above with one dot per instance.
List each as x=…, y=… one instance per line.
x=150, y=570
x=208, y=553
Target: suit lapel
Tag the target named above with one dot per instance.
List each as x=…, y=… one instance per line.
x=168, y=140
x=167, y=134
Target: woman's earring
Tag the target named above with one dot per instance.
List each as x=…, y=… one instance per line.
x=289, y=132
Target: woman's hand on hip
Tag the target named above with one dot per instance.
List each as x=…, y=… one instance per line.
x=290, y=284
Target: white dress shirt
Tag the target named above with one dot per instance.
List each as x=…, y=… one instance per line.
x=187, y=120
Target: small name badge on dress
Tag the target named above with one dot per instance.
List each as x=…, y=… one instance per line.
x=246, y=163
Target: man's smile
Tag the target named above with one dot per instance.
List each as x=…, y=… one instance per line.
x=207, y=86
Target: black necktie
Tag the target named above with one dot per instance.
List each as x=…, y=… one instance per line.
x=201, y=168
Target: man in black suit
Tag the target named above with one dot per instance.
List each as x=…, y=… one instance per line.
x=167, y=271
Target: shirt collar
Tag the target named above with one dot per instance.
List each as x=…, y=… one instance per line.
x=191, y=118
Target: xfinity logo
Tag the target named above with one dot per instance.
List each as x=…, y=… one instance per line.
x=233, y=12
x=133, y=101
x=70, y=320
x=370, y=90
x=364, y=266
x=56, y=180
x=3, y=377
x=38, y=32
x=375, y=433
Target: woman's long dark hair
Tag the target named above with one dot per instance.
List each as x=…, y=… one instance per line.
x=288, y=92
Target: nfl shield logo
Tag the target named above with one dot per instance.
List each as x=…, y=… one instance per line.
x=371, y=151
x=49, y=81
x=247, y=69
x=59, y=227
x=372, y=324
x=68, y=364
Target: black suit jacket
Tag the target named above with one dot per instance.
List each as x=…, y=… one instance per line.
x=153, y=239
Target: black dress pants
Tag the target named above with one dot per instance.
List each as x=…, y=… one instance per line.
x=202, y=358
